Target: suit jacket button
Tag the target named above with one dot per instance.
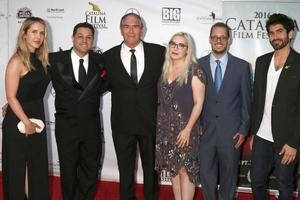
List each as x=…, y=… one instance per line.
x=217, y=116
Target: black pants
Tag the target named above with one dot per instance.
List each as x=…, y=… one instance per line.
x=79, y=161
x=126, y=150
x=264, y=158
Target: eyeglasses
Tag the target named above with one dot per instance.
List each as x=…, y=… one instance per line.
x=221, y=38
x=177, y=46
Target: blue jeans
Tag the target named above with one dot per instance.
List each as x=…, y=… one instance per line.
x=264, y=158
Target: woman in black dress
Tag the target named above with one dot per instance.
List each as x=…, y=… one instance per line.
x=26, y=81
x=181, y=91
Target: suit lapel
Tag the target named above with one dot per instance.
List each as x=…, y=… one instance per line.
x=90, y=84
x=286, y=68
x=67, y=72
x=147, y=61
x=227, y=74
x=122, y=70
x=210, y=79
x=117, y=57
x=288, y=63
x=263, y=74
x=92, y=68
x=93, y=75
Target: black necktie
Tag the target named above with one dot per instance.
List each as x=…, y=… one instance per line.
x=81, y=74
x=133, y=66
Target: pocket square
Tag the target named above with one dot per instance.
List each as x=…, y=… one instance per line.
x=39, y=122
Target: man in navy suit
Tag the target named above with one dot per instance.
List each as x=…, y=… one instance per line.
x=134, y=104
x=225, y=117
x=276, y=111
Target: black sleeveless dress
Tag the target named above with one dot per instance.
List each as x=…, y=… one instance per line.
x=18, y=149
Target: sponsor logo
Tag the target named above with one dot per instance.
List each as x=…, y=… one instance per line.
x=132, y=10
x=52, y=91
x=96, y=16
x=245, y=162
x=97, y=50
x=210, y=18
x=50, y=125
x=54, y=167
x=55, y=12
x=23, y=13
x=171, y=15
x=165, y=176
x=248, y=176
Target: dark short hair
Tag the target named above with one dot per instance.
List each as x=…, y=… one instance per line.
x=278, y=18
x=220, y=24
x=83, y=25
x=131, y=14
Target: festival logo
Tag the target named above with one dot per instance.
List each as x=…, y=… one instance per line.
x=251, y=28
x=210, y=18
x=171, y=15
x=96, y=16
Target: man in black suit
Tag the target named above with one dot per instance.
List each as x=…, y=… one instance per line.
x=133, y=69
x=76, y=78
x=276, y=111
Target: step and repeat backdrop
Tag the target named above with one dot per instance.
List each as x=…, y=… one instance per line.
x=250, y=40
x=162, y=19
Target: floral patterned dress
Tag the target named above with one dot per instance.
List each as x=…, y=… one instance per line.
x=175, y=104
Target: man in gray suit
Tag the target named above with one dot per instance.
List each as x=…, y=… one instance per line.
x=226, y=115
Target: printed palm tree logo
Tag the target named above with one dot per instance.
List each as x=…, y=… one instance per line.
x=95, y=7
x=213, y=15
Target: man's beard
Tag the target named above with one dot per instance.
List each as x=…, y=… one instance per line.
x=279, y=45
x=219, y=51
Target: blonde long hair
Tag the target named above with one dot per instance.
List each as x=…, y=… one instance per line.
x=190, y=59
x=22, y=49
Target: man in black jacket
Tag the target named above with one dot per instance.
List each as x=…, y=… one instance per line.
x=133, y=69
x=76, y=78
x=276, y=111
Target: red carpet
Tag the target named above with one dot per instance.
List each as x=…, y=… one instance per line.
x=110, y=191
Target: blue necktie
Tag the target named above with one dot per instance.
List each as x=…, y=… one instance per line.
x=218, y=76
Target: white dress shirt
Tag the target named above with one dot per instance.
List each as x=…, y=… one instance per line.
x=75, y=63
x=140, y=58
x=213, y=64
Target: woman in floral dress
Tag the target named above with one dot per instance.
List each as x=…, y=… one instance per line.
x=181, y=91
